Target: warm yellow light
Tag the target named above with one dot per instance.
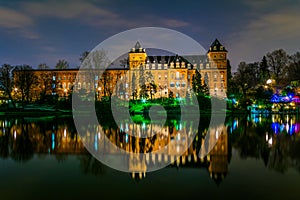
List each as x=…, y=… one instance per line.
x=65, y=90
x=99, y=88
x=269, y=81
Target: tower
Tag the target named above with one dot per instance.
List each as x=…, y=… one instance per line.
x=217, y=56
x=137, y=56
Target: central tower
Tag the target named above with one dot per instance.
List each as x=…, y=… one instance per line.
x=137, y=56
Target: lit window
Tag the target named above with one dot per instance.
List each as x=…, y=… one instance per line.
x=53, y=78
x=177, y=84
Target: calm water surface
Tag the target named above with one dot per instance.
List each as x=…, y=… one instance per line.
x=255, y=157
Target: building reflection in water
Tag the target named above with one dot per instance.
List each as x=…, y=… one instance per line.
x=23, y=138
x=274, y=139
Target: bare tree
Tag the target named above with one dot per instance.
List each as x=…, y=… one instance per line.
x=25, y=80
x=6, y=81
x=62, y=64
x=278, y=61
x=294, y=67
x=83, y=56
x=44, y=81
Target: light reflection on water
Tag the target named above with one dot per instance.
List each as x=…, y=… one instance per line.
x=273, y=141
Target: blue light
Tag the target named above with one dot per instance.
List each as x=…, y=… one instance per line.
x=126, y=138
x=275, y=127
x=96, y=142
x=53, y=141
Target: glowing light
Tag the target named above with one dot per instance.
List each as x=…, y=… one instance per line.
x=269, y=81
x=65, y=132
x=53, y=141
x=96, y=142
x=270, y=141
x=15, y=134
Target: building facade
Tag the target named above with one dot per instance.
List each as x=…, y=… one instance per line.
x=144, y=76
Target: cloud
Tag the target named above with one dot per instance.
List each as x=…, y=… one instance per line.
x=277, y=29
x=12, y=21
x=94, y=15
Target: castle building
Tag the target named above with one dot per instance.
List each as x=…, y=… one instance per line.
x=144, y=76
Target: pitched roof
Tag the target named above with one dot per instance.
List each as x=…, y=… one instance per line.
x=216, y=46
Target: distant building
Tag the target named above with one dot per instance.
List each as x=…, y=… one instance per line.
x=171, y=75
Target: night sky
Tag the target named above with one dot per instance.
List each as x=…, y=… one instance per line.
x=33, y=32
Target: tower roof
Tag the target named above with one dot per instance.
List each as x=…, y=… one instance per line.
x=137, y=48
x=137, y=45
x=216, y=46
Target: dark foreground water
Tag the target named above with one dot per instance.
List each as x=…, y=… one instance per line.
x=256, y=157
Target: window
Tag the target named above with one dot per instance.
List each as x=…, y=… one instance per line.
x=183, y=84
x=177, y=76
x=172, y=84
x=65, y=78
x=177, y=84
x=53, y=78
x=96, y=78
x=53, y=86
x=64, y=85
x=79, y=86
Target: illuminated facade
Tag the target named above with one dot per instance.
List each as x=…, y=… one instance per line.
x=168, y=74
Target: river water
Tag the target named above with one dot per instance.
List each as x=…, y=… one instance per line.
x=255, y=156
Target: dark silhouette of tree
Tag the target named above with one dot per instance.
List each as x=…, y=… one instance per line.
x=133, y=88
x=197, y=83
x=43, y=66
x=264, y=70
x=25, y=81
x=142, y=83
x=6, y=81
x=83, y=56
x=294, y=67
x=62, y=64
x=277, y=62
x=44, y=81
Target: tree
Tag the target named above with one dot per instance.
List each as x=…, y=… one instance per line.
x=25, y=81
x=62, y=64
x=83, y=56
x=44, y=81
x=133, y=88
x=197, y=83
x=43, y=66
x=294, y=67
x=6, y=81
x=277, y=61
x=142, y=82
x=264, y=72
